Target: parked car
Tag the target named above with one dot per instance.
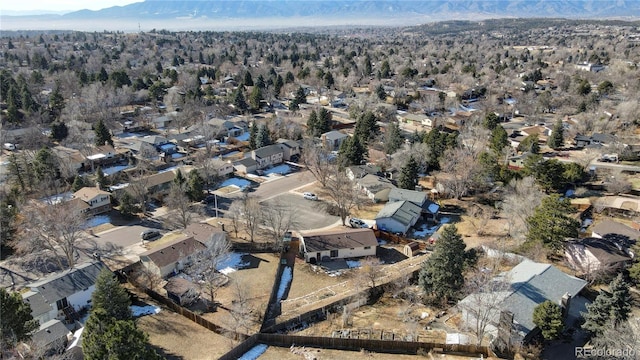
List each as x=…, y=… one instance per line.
x=149, y=234
x=9, y=146
x=357, y=223
x=310, y=196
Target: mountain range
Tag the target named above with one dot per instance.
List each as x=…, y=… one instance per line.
x=346, y=12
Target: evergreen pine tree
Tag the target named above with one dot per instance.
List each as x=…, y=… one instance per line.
x=196, y=186
x=17, y=321
x=59, y=131
x=312, y=124
x=556, y=141
x=491, y=120
x=277, y=85
x=301, y=97
x=101, y=180
x=324, y=120
x=441, y=275
x=620, y=300
x=550, y=223
x=111, y=297
x=78, y=183
x=238, y=100
x=409, y=174
x=263, y=138
x=548, y=318
x=393, y=138
x=127, y=205
x=253, y=133
x=255, y=98
x=598, y=314
x=499, y=139
x=179, y=179
x=352, y=152
x=248, y=80
x=103, y=135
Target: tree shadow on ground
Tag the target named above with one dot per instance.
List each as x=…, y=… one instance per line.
x=164, y=354
x=390, y=255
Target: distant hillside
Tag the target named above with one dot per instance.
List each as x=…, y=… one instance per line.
x=446, y=9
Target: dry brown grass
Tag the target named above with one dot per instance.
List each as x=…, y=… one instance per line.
x=177, y=337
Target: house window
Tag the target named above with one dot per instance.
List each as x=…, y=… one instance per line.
x=62, y=303
x=367, y=247
x=334, y=253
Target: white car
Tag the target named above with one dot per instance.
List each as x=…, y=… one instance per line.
x=357, y=223
x=310, y=196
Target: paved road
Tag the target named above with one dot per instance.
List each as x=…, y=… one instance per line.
x=615, y=166
x=114, y=239
x=310, y=214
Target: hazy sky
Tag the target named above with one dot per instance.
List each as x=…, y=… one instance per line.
x=60, y=5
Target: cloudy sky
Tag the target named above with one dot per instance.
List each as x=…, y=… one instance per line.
x=60, y=5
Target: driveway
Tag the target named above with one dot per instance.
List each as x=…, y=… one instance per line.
x=114, y=239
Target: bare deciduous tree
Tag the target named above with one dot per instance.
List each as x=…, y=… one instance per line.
x=618, y=184
x=204, y=265
x=251, y=215
x=342, y=191
x=278, y=218
x=523, y=196
x=370, y=270
x=316, y=159
x=178, y=202
x=54, y=227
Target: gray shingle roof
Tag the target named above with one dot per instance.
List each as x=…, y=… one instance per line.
x=416, y=197
x=62, y=285
x=173, y=251
x=37, y=303
x=334, y=135
x=247, y=162
x=267, y=151
x=613, y=227
x=401, y=211
x=339, y=239
x=49, y=332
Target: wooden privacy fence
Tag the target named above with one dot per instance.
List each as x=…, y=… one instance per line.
x=193, y=316
x=380, y=346
x=399, y=239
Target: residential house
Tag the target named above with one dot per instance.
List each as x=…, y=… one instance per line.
x=416, y=119
x=332, y=140
x=338, y=244
x=586, y=66
x=375, y=187
x=516, y=295
x=246, y=165
x=591, y=255
x=70, y=158
x=419, y=198
x=60, y=296
x=398, y=217
x=358, y=171
x=155, y=140
x=51, y=336
x=99, y=201
x=222, y=168
x=595, y=140
x=204, y=233
x=629, y=205
x=182, y=291
x=141, y=148
x=268, y=156
x=290, y=149
x=606, y=227
x=158, y=184
x=229, y=128
x=171, y=257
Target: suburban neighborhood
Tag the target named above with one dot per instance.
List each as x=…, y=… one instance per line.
x=461, y=194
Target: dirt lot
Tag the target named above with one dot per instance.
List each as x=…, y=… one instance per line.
x=278, y=353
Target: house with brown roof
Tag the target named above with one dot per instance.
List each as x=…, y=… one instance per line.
x=204, y=233
x=338, y=244
x=98, y=201
x=182, y=291
x=592, y=254
x=171, y=257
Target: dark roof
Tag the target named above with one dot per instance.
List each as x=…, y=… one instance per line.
x=49, y=332
x=613, y=227
x=247, y=162
x=339, y=239
x=37, y=303
x=267, y=151
x=374, y=183
x=401, y=211
x=362, y=170
x=67, y=283
x=173, y=251
x=604, y=250
x=291, y=144
x=334, y=135
x=416, y=197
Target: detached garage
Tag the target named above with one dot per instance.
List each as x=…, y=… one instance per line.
x=398, y=217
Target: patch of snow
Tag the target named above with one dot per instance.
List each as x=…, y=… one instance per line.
x=118, y=186
x=570, y=193
x=243, y=137
x=231, y=154
x=353, y=264
x=56, y=199
x=433, y=208
x=114, y=169
x=254, y=353
x=382, y=242
x=285, y=280
x=424, y=315
x=280, y=169
x=97, y=220
x=168, y=169
x=231, y=263
x=587, y=222
x=445, y=220
x=177, y=155
x=138, y=311
x=425, y=231
x=76, y=338
x=234, y=181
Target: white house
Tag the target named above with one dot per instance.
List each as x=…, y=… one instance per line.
x=170, y=258
x=333, y=139
x=398, y=217
x=98, y=201
x=62, y=295
x=222, y=168
x=338, y=244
